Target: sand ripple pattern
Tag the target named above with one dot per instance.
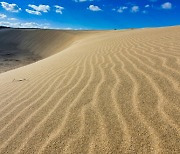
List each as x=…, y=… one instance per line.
x=110, y=92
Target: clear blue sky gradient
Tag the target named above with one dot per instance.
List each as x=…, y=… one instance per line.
x=76, y=15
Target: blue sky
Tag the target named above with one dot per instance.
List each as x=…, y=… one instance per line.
x=89, y=14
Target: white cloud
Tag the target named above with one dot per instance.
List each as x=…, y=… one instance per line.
x=147, y=6
x=38, y=9
x=23, y=25
x=59, y=9
x=166, y=5
x=135, y=9
x=12, y=19
x=10, y=7
x=82, y=0
x=33, y=12
x=2, y=16
x=94, y=8
x=121, y=9
x=33, y=25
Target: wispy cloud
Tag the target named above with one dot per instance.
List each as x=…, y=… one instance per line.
x=2, y=16
x=10, y=7
x=33, y=12
x=59, y=9
x=121, y=9
x=5, y=17
x=12, y=19
x=147, y=6
x=82, y=0
x=37, y=10
x=23, y=24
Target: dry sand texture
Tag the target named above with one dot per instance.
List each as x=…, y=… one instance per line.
x=101, y=92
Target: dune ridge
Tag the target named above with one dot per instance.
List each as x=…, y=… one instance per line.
x=102, y=92
x=24, y=46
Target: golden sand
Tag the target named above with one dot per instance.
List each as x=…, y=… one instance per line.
x=92, y=92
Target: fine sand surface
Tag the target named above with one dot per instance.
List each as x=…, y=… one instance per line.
x=92, y=92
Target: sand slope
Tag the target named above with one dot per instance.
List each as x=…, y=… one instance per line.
x=24, y=46
x=108, y=92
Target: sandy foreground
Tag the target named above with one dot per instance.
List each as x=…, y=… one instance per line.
x=91, y=92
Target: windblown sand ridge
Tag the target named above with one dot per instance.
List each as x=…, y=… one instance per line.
x=104, y=92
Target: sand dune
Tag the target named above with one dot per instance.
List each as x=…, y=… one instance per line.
x=25, y=46
x=92, y=92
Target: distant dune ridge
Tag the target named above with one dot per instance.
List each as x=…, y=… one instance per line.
x=91, y=92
